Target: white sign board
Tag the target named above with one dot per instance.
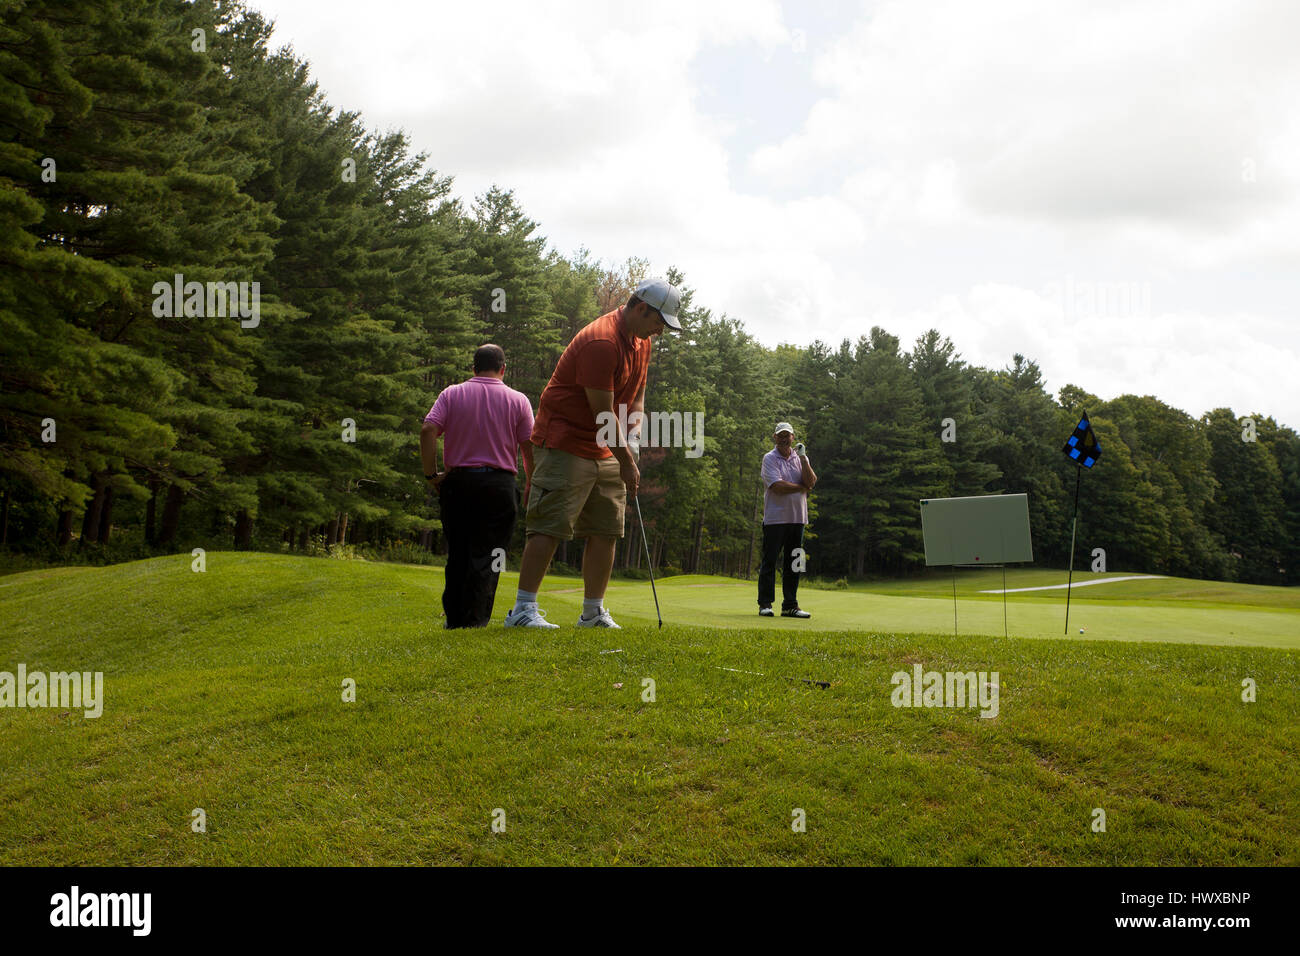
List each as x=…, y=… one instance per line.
x=990, y=529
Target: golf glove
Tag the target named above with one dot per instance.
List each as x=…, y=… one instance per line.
x=800, y=450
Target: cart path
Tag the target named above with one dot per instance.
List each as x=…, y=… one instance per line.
x=1081, y=584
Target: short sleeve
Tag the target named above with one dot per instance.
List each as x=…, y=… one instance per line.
x=597, y=365
x=524, y=419
x=770, y=472
x=438, y=414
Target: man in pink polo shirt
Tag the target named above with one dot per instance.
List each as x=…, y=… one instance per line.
x=788, y=477
x=487, y=425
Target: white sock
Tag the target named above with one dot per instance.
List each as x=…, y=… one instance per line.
x=591, y=607
x=524, y=598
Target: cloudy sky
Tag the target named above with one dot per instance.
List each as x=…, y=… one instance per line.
x=1111, y=189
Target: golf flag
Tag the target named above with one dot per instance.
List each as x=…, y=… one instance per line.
x=1081, y=447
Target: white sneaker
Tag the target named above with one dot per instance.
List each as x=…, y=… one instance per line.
x=600, y=620
x=529, y=616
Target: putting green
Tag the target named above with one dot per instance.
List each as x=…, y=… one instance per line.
x=726, y=602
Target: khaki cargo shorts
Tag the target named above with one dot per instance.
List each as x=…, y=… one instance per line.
x=574, y=497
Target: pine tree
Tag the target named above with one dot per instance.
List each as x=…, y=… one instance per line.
x=1284, y=444
x=883, y=460
x=948, y=398
x=1247, y=510
x=131, y=191
x=514, y=309
x=1030, y=431
x=1170, y=452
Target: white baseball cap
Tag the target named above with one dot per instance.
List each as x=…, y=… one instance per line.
x=660, y=295
x=783, y=427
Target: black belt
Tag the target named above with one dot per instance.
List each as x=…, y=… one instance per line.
x=480, y=469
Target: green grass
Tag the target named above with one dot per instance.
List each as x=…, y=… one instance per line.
x=1172, y=610
x=223, y=692
x=1186, y=592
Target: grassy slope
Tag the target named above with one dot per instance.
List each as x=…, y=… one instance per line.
x=223, y=693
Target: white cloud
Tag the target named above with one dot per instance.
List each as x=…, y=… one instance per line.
x=1074, y=111
x=1112, y=340
x=496, y=88
x=961, y=158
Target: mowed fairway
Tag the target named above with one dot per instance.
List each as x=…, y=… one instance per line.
x=224, y=692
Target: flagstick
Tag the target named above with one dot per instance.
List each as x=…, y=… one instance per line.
x=1078, y=474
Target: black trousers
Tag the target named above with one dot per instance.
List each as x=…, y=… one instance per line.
x=478, y=516
x=779, y=542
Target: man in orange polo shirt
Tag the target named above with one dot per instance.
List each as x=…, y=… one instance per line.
x=579, y=487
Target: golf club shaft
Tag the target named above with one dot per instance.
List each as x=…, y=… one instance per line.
x=811, y=682
x=645, y=541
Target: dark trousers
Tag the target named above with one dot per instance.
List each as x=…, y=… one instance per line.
x=779, y=542
x=478, y=515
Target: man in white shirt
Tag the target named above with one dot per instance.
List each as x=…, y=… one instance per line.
x=788, y=477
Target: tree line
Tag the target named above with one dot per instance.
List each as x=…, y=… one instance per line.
x=147, y=140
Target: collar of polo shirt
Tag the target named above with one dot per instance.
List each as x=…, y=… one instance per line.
x=622, y=326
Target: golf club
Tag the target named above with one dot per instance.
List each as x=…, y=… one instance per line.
x=823, y=684
x=646, y=542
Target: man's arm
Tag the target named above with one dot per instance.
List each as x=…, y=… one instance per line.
x=526, y=449
x=603, y=401
x=429, y=433
x=807, y=475
x=634, y=424
x=782, y=487
x=778, y=486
